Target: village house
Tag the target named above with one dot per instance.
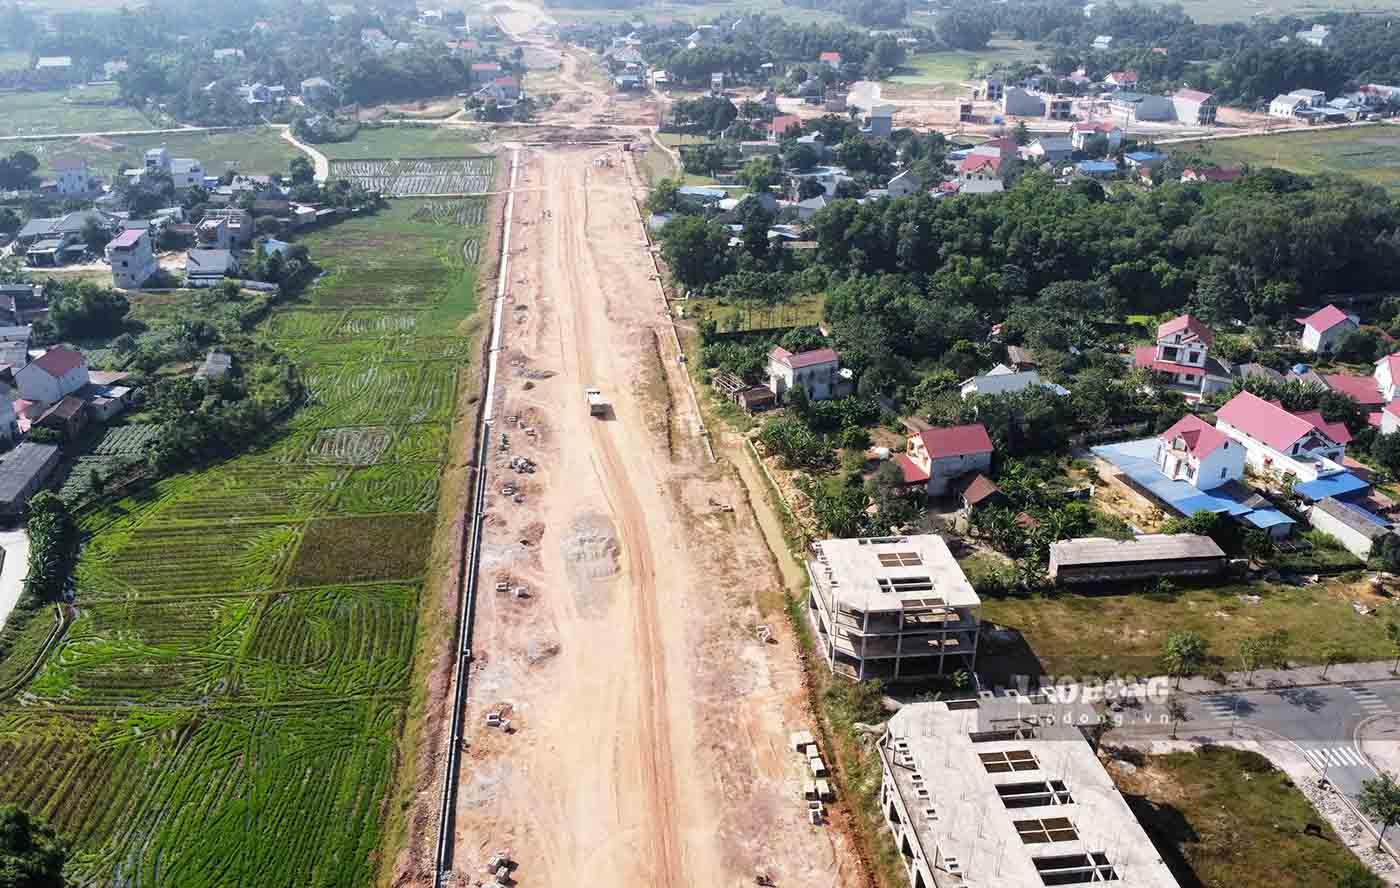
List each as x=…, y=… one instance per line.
x=1133, y=107
x=71, y=176
x=1121, y=80
x=484, y=72
x=993, y=88
x=1081, y=135
x=935, y=458
x=1195, y=107
x=68, y=418
x=1276, y=441
x=1355, y=528
x=817, y=372
x=905, y=184
x=1317, y=35
x=1325, y=328
x=23, y=472
x=1017, y=102
x=1004, y=380
x=1182, y=356
x=225, y=229
x=1198, y=453
x=878, y=122
x=1059, y=108
x=830, y=59
x=779, y=126
x=1050, y=149
x=52, y=376
x=209, y=268
x=132, y=260
x=317, y=91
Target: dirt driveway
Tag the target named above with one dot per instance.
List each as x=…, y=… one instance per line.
x=650, y=724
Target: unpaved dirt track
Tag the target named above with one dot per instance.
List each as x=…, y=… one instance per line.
x=651, y=724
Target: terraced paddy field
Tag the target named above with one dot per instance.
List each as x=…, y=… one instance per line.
x=228, y=706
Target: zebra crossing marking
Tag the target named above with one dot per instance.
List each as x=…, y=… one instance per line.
x=1369, y=700
x=1220, y=708
x=1335, y=757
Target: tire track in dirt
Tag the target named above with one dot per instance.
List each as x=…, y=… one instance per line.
x=655, y=736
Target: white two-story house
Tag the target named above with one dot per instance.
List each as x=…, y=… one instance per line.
x=59, y=372
x=1181, y=356
x=1274, y=440
x=1325, y=328
x=1198, y=453
x=818, y=372
x=936, y=457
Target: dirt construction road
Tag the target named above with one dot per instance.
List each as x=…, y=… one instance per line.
x=650, y=724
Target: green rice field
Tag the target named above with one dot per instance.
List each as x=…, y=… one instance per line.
x=254, y=150
x=54, y=111
x=1369, y=152
x=947, y=71
x=228, y=705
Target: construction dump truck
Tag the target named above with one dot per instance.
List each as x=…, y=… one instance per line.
x=597, y=404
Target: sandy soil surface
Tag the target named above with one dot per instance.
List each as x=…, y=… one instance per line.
x=649, y=725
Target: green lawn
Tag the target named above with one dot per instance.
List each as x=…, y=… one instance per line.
x=1370, y=153
x=255, y=150
x=800, y=312
x=395, y=142
x=1226, y=818
x=37, y=113
x=1124, y=633
x=1208, y=12
x=948, y=70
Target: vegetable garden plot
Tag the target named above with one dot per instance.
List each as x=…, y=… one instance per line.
x=349, y=447
x=334, y=641
x=132, y=440
x=124, y=652
x=413, y=177
x=149, y=563
x=393, y=487
x=304, y=324
x=452, y=212
x=54, y=766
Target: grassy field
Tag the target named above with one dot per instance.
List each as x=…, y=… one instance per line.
x=1248, y=10
x=947, y=70
x=1227, y=818
x=1128, y=630
x=260, y=150
x=228, y=707
x=39, y=113
x=803, y=311
x=1370, y=153
x=404, y=141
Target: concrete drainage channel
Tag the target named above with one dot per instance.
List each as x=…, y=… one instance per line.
x=468, y=575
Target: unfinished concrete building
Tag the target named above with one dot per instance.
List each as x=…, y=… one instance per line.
x=893, y=608
x=1007, y=793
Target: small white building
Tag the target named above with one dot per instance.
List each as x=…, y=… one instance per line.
x=1081, y=134
x=55, y=374
x=1325, y=328
x=904, y=184
x=817, y=372
x=1276, y=441
x=186, y=172
x=1355, y=528
x=1000, y=380
x=132, y=259
x=1196, y=452
x=1317, y=35
x=934, y=458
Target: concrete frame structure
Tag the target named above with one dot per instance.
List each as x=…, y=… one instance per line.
x=132, y=260
x=1008, y=793
x=894, y=608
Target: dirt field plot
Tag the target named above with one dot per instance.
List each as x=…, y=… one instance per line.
x=418, y=177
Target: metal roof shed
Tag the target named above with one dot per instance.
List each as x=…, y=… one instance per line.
x=22, y=471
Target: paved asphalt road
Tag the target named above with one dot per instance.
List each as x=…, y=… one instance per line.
x=1321, y=721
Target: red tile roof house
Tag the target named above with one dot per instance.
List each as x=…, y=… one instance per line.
x=58, y=372
x=831, y=59
x=1181, y=357
x=979, y=166
x=484, y=71
x=1323, y=329
x=1276, y=441
x=937, y=457
x=1198, y=453
x=779, y=126
x=817, y=371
